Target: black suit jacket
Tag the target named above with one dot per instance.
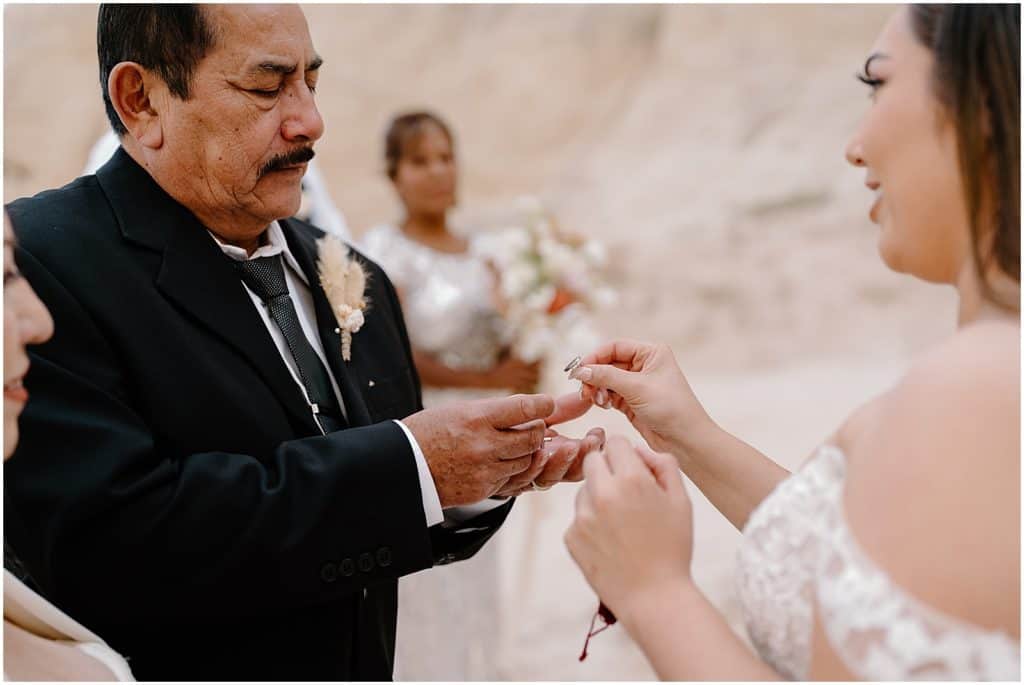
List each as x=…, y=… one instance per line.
x=171, y=490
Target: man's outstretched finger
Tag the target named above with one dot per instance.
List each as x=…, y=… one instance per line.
x=568, y=407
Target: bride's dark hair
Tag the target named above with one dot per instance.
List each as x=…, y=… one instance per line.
x=405, y=128
x=977, y=80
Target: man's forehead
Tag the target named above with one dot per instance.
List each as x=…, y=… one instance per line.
x=257, y=16
x=258, y=34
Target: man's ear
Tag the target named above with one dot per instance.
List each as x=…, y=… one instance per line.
x=132, y=89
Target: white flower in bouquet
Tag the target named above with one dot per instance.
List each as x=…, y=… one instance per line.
x=507, y=244
x=534, y=338
x=605, y=297
x=558, y=260
x=595, y=253
x=551, y=281
x=539, y=300
x=518, y=280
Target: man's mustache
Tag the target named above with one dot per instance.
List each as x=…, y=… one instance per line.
x=296, y=156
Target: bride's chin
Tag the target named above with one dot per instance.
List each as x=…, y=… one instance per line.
x=888, y=251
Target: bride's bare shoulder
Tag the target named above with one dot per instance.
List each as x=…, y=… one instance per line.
x=933, y=480
x=969, y=380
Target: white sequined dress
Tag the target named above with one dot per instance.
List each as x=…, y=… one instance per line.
x=448, y=616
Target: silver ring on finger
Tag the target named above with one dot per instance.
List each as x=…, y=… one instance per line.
x=539, y=488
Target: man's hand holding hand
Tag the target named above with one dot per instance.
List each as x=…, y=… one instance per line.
x=560, y=460
x=474, y=448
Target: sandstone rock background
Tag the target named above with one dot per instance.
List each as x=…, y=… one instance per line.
x=703, y=144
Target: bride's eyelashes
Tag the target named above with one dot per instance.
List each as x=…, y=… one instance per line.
x=867, y=78
x=871, y=82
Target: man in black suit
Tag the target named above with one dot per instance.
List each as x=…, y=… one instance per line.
x=212, y=487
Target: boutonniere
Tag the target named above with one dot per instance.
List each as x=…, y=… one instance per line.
x=344, y=282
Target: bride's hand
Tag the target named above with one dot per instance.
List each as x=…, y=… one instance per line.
x=633, y=532
x=559, y=460
x=644, y=382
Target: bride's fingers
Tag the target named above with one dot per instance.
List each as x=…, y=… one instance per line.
x=592, y=442
x=554, y=470
x=607, y=377
x=622, y=350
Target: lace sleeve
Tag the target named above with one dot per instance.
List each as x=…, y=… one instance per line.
x=882, y=633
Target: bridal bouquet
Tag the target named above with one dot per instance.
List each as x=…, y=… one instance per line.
x=550, y=281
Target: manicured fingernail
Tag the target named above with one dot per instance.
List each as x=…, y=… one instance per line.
x=601, y=398
x=582, y=373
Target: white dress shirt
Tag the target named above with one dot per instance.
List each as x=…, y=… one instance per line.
x=302, y=299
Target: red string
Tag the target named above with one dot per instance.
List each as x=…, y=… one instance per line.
x=609, y=620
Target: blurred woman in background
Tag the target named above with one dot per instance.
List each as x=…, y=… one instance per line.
x=894, y=552
x=449, y=618
x=449, y=290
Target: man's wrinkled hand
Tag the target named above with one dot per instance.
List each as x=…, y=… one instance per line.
x=473, y=449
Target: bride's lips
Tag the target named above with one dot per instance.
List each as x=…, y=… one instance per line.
x=15, y=391
x=874, y=186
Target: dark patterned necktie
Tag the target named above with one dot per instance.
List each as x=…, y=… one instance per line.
x=265, y=277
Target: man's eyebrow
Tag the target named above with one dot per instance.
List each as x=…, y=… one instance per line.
x=272, y=67
x=285, y=68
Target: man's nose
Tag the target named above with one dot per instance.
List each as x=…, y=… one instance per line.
x=302, y=122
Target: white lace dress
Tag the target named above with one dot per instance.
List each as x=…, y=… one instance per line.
x=448, y=616
x=798, y=552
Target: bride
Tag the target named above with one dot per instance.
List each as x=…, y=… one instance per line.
x=894, y=552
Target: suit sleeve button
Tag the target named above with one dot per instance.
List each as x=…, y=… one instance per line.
x=384, y=557
x=329, y=573
x=347, y=567
x=365, y=562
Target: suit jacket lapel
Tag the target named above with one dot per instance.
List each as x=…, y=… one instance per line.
x=303, y=248
x=197, y=276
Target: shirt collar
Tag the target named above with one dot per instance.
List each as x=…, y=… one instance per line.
x=276, y=245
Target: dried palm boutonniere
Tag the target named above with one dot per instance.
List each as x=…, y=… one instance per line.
x=344, y=282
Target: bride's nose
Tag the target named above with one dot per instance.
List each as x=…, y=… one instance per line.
x=854, y=152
